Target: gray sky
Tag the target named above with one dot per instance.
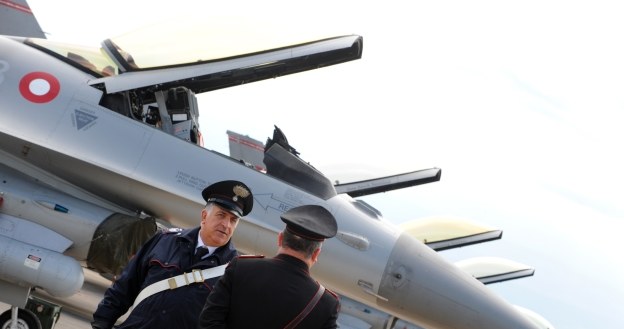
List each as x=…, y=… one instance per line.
x=520, y=103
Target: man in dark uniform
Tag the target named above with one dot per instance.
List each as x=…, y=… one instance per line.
x=278, y=292
x=170, y=277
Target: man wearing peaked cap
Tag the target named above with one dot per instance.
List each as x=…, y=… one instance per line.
x=310, y=222
x=278, y=292
x=231, y=195
x=168, y=280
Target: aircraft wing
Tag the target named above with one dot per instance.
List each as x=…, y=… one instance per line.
x=494, y=269
x=389, y=183
x=446, y=233
x=251, y=152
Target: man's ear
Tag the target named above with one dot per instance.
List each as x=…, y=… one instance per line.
x=316, y=254
x=280, y=238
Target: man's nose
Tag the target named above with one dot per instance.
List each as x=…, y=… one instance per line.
x=228, y=223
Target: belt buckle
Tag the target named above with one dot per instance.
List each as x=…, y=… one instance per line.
x=197, y=276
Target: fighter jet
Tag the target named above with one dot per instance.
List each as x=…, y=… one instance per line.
x=101, y=146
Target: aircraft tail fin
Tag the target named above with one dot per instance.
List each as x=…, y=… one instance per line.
x=17, y=19
x=247, y=150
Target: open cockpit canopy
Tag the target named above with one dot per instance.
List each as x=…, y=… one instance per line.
x=205, y=55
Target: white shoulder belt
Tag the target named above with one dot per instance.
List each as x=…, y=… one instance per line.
x=195, y=276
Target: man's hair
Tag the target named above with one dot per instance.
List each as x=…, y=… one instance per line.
x=297, y=243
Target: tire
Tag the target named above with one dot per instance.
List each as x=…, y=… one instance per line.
x=25, y=320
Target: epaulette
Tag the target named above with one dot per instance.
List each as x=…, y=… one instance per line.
x=173, y=230
x=332, y=293
x=251, y=256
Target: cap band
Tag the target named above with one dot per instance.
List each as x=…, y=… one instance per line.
x=229, y=205
x=305, y=236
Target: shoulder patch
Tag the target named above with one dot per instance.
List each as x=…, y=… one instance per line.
x=173, y=230
x=251, y=256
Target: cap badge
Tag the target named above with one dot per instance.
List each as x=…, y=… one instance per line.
x=240, y=191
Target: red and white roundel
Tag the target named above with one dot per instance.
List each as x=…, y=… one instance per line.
x=39, y=87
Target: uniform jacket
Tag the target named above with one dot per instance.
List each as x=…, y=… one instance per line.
x=267, y=293
x=164, y=256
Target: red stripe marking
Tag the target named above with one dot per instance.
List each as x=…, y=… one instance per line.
x=246, y=143
x=17, y=6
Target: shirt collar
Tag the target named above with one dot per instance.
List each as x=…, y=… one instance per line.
x=223, y=253
x=200, y=243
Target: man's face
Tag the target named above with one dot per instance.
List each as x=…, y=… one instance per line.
x=217, y=225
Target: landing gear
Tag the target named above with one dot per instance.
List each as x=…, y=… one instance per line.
x=26, y=319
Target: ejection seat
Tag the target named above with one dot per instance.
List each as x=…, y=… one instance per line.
x=179, y=113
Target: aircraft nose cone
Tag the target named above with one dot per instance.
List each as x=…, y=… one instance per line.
x=422, y=287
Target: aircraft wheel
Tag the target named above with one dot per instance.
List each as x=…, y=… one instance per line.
x=25, y=320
